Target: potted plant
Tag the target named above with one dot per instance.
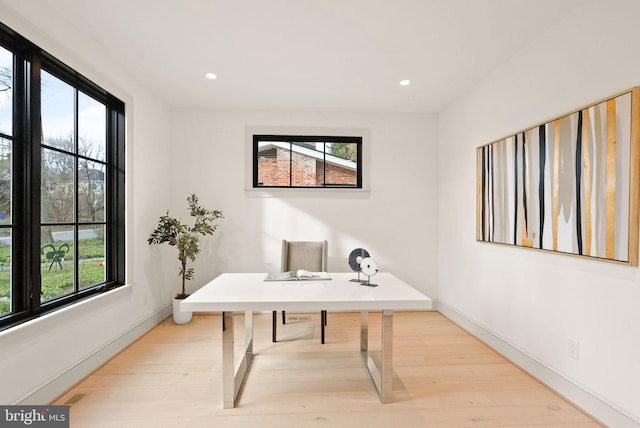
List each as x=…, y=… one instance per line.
x=186, y=239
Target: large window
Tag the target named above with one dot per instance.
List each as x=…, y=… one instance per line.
x=61, y=184
x=307, y=161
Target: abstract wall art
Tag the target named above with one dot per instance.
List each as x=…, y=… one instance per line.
x=569, y=185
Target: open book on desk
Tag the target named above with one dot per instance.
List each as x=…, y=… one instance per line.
x=297, y=275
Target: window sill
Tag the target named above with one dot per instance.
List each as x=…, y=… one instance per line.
x=312, y=192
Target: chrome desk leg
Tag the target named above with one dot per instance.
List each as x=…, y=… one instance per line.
x=364, y=332
x=231, y=380
x=382, y=377
x=387, y=356
x=228, y=393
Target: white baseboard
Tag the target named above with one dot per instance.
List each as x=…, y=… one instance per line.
x=595, y=406
x=52, y=390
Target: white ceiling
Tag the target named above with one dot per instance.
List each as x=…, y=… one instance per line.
x=346, y=55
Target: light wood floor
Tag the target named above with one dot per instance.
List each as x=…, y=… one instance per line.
x=442, y=377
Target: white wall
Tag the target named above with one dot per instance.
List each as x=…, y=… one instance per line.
x=395, y=221
x=40, y=359
x=170, y=155
x=531, y=300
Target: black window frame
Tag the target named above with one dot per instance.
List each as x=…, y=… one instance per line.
x=29, y=61
x=294, y=139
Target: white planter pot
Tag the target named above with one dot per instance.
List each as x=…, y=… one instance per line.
x=180, y=317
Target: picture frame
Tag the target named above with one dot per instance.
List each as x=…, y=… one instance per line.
x=568, y=185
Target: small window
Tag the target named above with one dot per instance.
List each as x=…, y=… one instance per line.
x=307, y=161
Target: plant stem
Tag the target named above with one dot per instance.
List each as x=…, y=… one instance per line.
x=184, y=272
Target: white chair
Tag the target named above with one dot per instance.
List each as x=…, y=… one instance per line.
x=307, y=255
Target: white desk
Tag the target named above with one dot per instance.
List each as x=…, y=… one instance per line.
x=248, y=292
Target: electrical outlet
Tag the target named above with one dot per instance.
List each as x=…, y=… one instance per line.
x=573, y=347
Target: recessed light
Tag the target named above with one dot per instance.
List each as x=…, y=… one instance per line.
x=210, y=76
x=405, y=82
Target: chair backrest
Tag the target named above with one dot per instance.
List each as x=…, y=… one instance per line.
x=308, y=255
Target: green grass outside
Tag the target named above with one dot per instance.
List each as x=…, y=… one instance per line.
x=56, y=282
x=91, y=248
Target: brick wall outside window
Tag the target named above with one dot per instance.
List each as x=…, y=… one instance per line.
x=307, y=171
